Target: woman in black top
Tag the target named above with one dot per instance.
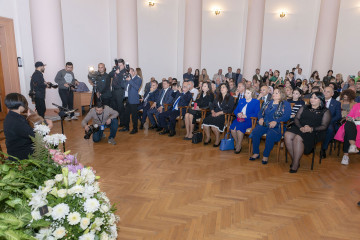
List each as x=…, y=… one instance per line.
x=297, y=101
x=196, y=78
x=311, y=122
x=223, y=104
x=204, y=98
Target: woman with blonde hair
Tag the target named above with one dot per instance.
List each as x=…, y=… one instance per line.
x=204, y=77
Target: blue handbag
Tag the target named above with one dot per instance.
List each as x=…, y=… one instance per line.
x=227, y=143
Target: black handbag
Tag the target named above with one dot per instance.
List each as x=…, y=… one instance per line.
x=197, y=137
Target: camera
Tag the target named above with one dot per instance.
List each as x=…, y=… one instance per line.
x=72, y=86
x=116, y=67
x=127, y=71
x=51, y=85
x=92, y=129
x=32, y=95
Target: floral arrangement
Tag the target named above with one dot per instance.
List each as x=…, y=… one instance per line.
x=42, y=129
x=54, y=140
x=76, y=208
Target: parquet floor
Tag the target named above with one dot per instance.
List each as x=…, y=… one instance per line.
x=168, y=188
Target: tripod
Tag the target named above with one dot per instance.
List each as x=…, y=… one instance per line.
x=63, y=113
x=94, y=91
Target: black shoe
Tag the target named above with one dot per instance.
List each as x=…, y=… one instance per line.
x=134, y=131
x=159, y=129
x=292, y=171
x=172, y=133
x=323, y=153
x=153, y=127
x=125, y=129
x=206, y=143
x=141, y=126
x=264, y=162
x=237, y=152
x=359, y=204
x=216, y=145
x=253, y=159
x=164, y=132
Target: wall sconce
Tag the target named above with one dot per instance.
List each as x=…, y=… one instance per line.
x=282, y=15
x=217, y=11
x=151, y=3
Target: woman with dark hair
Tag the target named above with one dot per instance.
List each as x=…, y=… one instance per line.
x=223, y=104
x=314, y=77
x=310, y=126
x=265, y=77
x=297, y=101
x=328, y=77
x=271, y=114
x=247, y=108
x=203, y=101
x=16, y=127
x=196, y=78
x=347, y=100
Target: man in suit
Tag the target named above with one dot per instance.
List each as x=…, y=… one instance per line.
x=131, y=86
x=264, y=94
x=149, y=96
x=238, y=76
x=335, y=110
x=157, y=107
x=230, y=74
x=167, y=120
x=257, y=75
x=188, y=76
x=148, y=85
x=117, y=93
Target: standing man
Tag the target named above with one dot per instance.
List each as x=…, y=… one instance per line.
x=118, y=91
x=257, y=74
x=38, y=85
x=219, y=75
x=230, y=74
x=238, y=76
x=66, y=80
x=103, y=83
x=131, y=86
x=188, y=76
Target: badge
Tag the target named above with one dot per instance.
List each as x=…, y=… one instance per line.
x=102, y=128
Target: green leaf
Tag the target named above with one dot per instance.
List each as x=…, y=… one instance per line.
x=40, y=224
x=3, y=226
x=5, y=168
x=11, y=219
x=23, y=215
x=13, y=202
x=11, y=235
x=3, y=195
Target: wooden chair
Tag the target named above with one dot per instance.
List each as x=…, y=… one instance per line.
x=1, y=138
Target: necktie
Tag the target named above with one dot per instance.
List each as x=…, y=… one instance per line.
x=162, y=96
x=176, y=103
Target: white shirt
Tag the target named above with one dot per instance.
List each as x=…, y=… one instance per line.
x=163, y=96
x=328, y=103
x=195, y=92
x=299, y=76
x=243, y=111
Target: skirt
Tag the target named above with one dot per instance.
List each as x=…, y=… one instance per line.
x=196, y=114
x=217, y=122
x=309, y=139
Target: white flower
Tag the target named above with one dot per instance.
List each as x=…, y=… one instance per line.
x=88, y=236
x=89, y=191
x=62, y=193
x=84, y=223
x=44, y=234
x=38, y=199
x=104, y=208
x=91, y=205
x=49, y=183
x=72, y=178
x=59, y=177
x=36, y=215
x=60, y=211
x=42, y=129
x=77, y=189
x=112, y=219
x=97, y=224
x=113, y=231
x=54, y=139
x=87, y=175
x=104, y=236
x=74, y=218
x=59, y=232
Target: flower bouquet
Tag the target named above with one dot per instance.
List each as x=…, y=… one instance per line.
x=73, y=207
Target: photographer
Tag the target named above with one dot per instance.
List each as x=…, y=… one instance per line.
x=104, y=117
x=101, y=81
x=38, y=87
x=118, y=92
x=66, y=80
x=131, y=86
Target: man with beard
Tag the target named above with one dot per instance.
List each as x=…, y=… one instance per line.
x=38, y=86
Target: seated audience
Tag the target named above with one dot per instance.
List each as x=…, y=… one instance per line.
x=164, y=97
x=335, y=111
x=271, y=114
x=105, y=117
x=298, y=102
x=17, y=129
x=314, y=77
x=193, y=91
x=310, y=126
x=203, y=101
x=223, y=104
x=219, y=75
x=347, y=100
x=266, y=77
x=328, y=77
x=257, y=75
x=247, y=108
x=149, y=96
x=188, y=76
x=204, y=77
x=230, y=74
x=232, y=87
x=349, y=133
x=167, y=119
x=288, y=92
x=264, y=94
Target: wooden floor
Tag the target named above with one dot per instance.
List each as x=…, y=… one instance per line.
x=168, y=188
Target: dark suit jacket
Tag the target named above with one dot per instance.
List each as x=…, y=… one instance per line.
x=335, y=110
x=167, y=98
x=133, y=90
x=231, y=75
x=184, y=98
x=147, y=87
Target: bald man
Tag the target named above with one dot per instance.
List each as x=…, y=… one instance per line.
x=335, y=110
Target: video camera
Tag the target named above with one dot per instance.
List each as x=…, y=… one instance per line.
x=72, y=86
x=127, y=71
x=51, y=85
x=92, y=129
x=93, y=74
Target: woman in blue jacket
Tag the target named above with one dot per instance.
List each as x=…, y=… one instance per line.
x=247, y=107
x=271, y=114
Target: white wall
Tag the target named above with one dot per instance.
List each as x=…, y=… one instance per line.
x=290, y=40
x=18, y=10
x=347, y=47
x=86, y=25
x=158, y=38
x=223, y=36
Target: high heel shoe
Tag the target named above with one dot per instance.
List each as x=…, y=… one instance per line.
x=237, y=152
x=216, y=145
x=264, y=162
x=206, y=143
x=293, y=171
x=253, y=159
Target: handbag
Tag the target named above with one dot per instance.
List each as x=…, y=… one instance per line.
x=197, y=137
x=227, y=143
